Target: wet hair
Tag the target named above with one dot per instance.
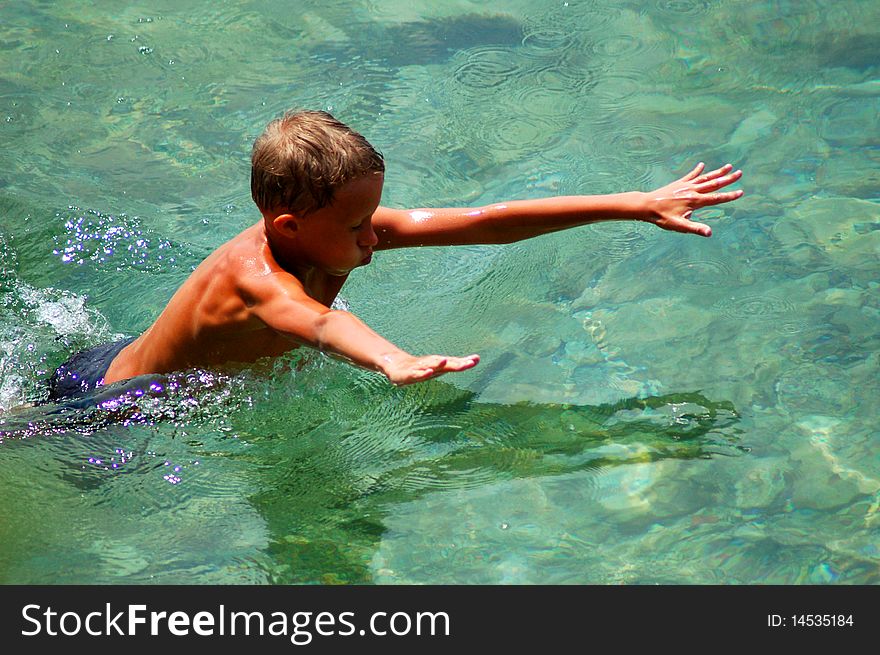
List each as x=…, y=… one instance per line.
x=301, y=160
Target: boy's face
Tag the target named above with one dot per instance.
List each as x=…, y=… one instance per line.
x=339, y=237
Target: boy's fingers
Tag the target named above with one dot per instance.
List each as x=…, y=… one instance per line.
x=696, y=171
x=701, y=229
x=717, y=183
x=718, y=198
x=469, y=361
x=687, y=226
x=462, y=363
x=713, y=174
x=435, y=365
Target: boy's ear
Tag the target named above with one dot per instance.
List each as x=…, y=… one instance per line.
x=286, y=224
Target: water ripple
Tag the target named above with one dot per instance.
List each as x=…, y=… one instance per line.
x=520, y=134
x=499, y=284
x=443, y=478
x=565, y=77
x=619, y=46
x=755, y=307
x=684, y=7
x=617, y=241
x=591, y=169
x=486, y=68
x=586, y=16
x=702, y=272
x=617, y=89
x=647, y=142
x=112, y=51
x=438, y=180
x=793, y=327
x=545, y=41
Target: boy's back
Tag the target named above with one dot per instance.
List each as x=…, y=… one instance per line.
x=208, y=321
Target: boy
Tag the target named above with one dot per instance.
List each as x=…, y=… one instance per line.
x=318, y=184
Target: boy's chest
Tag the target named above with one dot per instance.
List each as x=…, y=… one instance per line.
x=325, y=288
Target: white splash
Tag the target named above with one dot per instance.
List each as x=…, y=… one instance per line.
x=66, y=313
x=37, y=319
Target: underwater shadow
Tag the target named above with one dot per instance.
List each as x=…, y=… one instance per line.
x=330, y=488
x=333, y=454
x=423, y=42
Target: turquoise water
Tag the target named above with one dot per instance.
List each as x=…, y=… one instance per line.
x=650, y=407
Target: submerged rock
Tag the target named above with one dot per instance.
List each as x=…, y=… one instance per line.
x=842, y=48
x=762, y=484
x=826, y=479
x=852, y=172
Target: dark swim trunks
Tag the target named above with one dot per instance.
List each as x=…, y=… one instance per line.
x=85, y=371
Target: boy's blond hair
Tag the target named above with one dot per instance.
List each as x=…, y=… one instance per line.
x=302, y=158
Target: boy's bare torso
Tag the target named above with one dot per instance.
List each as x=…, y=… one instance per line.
x=209, y=321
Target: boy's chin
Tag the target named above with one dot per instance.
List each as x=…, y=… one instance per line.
x=340, y=272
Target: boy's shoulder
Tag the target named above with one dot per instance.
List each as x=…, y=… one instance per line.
x=242, y=266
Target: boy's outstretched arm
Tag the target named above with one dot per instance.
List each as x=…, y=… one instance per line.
x=669, y=207
x=290, y=311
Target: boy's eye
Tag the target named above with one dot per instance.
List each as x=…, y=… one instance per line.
x=357, y=227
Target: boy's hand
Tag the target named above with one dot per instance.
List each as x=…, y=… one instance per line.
x=672, y=205
x=403, y=368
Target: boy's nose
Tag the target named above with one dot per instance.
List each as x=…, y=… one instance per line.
x=369, y=238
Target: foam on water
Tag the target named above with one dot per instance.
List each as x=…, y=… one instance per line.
x=35, y=322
